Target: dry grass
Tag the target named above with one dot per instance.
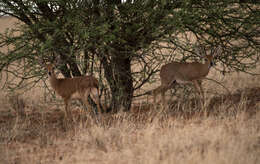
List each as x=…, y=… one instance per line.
x=130, y=138
x=34, y=131
x=38, y=133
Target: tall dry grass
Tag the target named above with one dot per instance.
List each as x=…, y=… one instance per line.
x=229, y=134
x=33, y=130
x=125, y=138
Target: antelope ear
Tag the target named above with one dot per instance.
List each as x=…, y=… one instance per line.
x=217, y=51
x=57, y=61
x=201, y=51
x=41, y=61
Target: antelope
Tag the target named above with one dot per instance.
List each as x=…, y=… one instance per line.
x=175, y=73
x=76, y=87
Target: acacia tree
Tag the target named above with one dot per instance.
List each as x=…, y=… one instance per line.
x=117, y=35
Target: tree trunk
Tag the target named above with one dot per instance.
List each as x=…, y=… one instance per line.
x=118, y=74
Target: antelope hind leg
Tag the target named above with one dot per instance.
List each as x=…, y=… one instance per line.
x=84, y=98
x=94, y=94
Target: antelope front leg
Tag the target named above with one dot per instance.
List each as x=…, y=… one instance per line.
x=67, y=111
x=197, y=87
x=201, y=89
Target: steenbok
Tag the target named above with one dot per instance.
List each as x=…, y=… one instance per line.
x=177, y=72
x=76, y=87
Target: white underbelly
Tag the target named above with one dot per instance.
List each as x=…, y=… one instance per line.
x=76, y=95
x=183, y=82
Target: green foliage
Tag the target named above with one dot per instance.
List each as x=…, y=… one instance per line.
x=113, y=38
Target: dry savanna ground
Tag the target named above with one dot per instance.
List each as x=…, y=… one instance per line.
x=33, y=130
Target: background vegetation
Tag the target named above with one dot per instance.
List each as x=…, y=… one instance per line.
x=32, y=127
x=126, y=42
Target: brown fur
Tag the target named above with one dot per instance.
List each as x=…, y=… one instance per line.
x=68, y=87
x=177, y=72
